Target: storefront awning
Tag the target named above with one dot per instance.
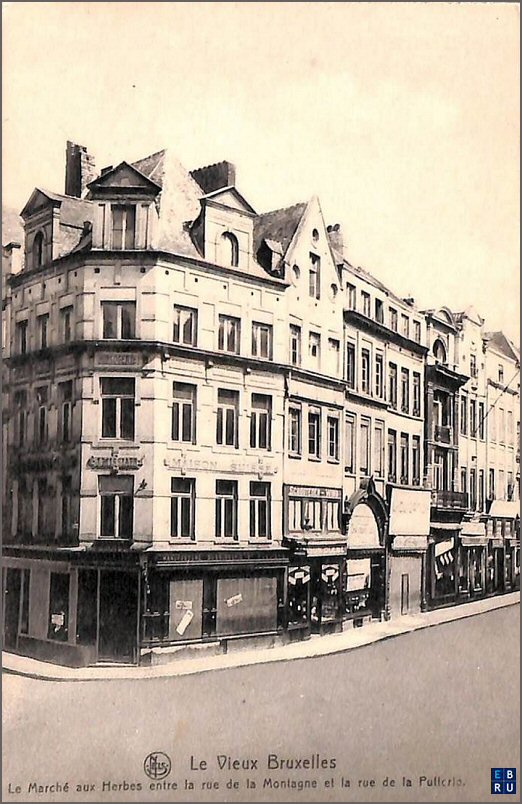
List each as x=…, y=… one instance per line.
x=505, y=509
x=473, y=528
x=473, y=541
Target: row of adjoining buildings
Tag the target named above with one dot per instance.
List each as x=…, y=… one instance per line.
x=218, y=431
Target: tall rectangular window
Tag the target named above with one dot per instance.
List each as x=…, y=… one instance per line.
x=366, y=303
x=492, y=419
x=67, y=512
x=365, y=371
x=262, y=340
x=227, y=421
x=123, y=226
x=21, y=337
x=66, y=315
x=364, y=447
x=415, y=460
x=117, y=506
x=350, y=443
x=481, y=490
x=405, y=326
x=314, y=349
x=417, y=331
x=185, y=326
x=41, y=429
x=405, y=452
x=314, y=433
x=332, y=426
x=501, y=425
x=352, y=297
x=119, y=320
x=295, y=345
x=226, y=509
x=473, y=488
x=379, y=376
x=20, y=399
x=350, y=365
x=294, y=431
x=510, y=433
x=501, y=374
x=405, y=390
x=260, y=504
x=65, y=393
x=182, y=507
x=473, y=418
x=379, y=311
x=43, y=331
x=315, y=276
x=261, y=422
x=473, y=366
x=392, y=456
x=58, y=624
x=463, y=414
x=378, y=449
x=333, y=352
x=184, y=399
x=464, y=479
x=118, y=406
x=491, y=484
x=393, y=319
x=392, y=379
x=416, y=393
x=229, y=334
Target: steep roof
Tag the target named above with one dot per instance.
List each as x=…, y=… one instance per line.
x=503, y=344
x=279, y=225
x=73, y=211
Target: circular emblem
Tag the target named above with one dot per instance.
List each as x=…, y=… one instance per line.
x=157, y=765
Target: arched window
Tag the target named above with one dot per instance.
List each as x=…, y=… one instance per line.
x=38, y=250
x=230, y=249
x=439, y=351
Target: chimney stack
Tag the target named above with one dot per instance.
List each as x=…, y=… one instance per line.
x=215, y=177
x=335, y=237
x=11, y=258
x=79, y=169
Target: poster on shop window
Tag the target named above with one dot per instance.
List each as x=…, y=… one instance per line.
x=261, y=393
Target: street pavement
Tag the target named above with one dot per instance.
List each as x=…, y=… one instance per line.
x=438, y=707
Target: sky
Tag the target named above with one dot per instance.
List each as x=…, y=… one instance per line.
x=402, y=118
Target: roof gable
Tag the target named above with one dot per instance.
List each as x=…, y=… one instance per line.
x=279, y=225
x=38, y=200
x=124, y=177
x=503, y=345
x=230, y=197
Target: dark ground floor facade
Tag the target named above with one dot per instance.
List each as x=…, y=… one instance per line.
x=83, y=606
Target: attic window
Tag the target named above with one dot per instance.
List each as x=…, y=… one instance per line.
x=38, y=250
x=230, y=249
x=123, y=226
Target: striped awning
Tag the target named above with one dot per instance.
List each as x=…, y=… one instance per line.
x=505, y=509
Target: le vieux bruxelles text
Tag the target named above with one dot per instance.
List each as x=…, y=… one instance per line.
x=310, y=772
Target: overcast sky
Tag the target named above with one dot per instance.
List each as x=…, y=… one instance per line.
x=402, y=118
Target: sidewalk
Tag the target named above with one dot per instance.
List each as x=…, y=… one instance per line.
x=316, y=646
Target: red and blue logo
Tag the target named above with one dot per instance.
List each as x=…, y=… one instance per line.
x=503, y=780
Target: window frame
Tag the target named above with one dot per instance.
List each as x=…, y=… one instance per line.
x=256, y=501
x=295, y=415
x=116, y=499
x=261, y=421
x=314, y=425
x=192, y=317
x=222, y=417
x=333, y=427
x=121, y=402
x=233, y=334
x=295, y=332
x=184, y=398
x=221, y=498
x=258, y=328
x=177, y=496
x=128, y=227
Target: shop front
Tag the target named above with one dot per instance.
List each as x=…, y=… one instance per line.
x=409, y=528
x=442, y=571
x=472, y=560
x=504, y=529
x=217, y=598
x=317, y=552
x=364, y=585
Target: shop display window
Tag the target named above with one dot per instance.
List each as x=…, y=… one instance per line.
x=246, y=605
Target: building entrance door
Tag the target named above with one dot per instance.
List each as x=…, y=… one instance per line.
x=118, y=625
x=11, y=607
x=376, y=597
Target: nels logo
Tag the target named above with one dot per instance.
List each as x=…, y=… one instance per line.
x=157, y=765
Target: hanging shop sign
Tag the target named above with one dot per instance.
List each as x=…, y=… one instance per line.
x=410, y=512
x=330, y=573
x=363, y=531
x=300, y=575
x=115, y=462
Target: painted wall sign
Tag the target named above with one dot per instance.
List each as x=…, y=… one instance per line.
x=363, y=531
x=410, y=512
x=117, y=359
x=185, y=622
x=115, y=462
x=314, y=491
x=184, y=464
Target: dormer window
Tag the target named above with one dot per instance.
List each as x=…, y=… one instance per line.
x=439, y=352
x=123, y=226
x=230, y=249
x=38, y=250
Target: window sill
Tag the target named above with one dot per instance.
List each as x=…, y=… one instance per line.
x=333, y=461
x=314, y=459
x=294, y=456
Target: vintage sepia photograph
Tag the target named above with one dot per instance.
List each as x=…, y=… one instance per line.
x=260, y=402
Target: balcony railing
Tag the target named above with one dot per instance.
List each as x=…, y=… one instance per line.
x=443, y=433
x=449, y=499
